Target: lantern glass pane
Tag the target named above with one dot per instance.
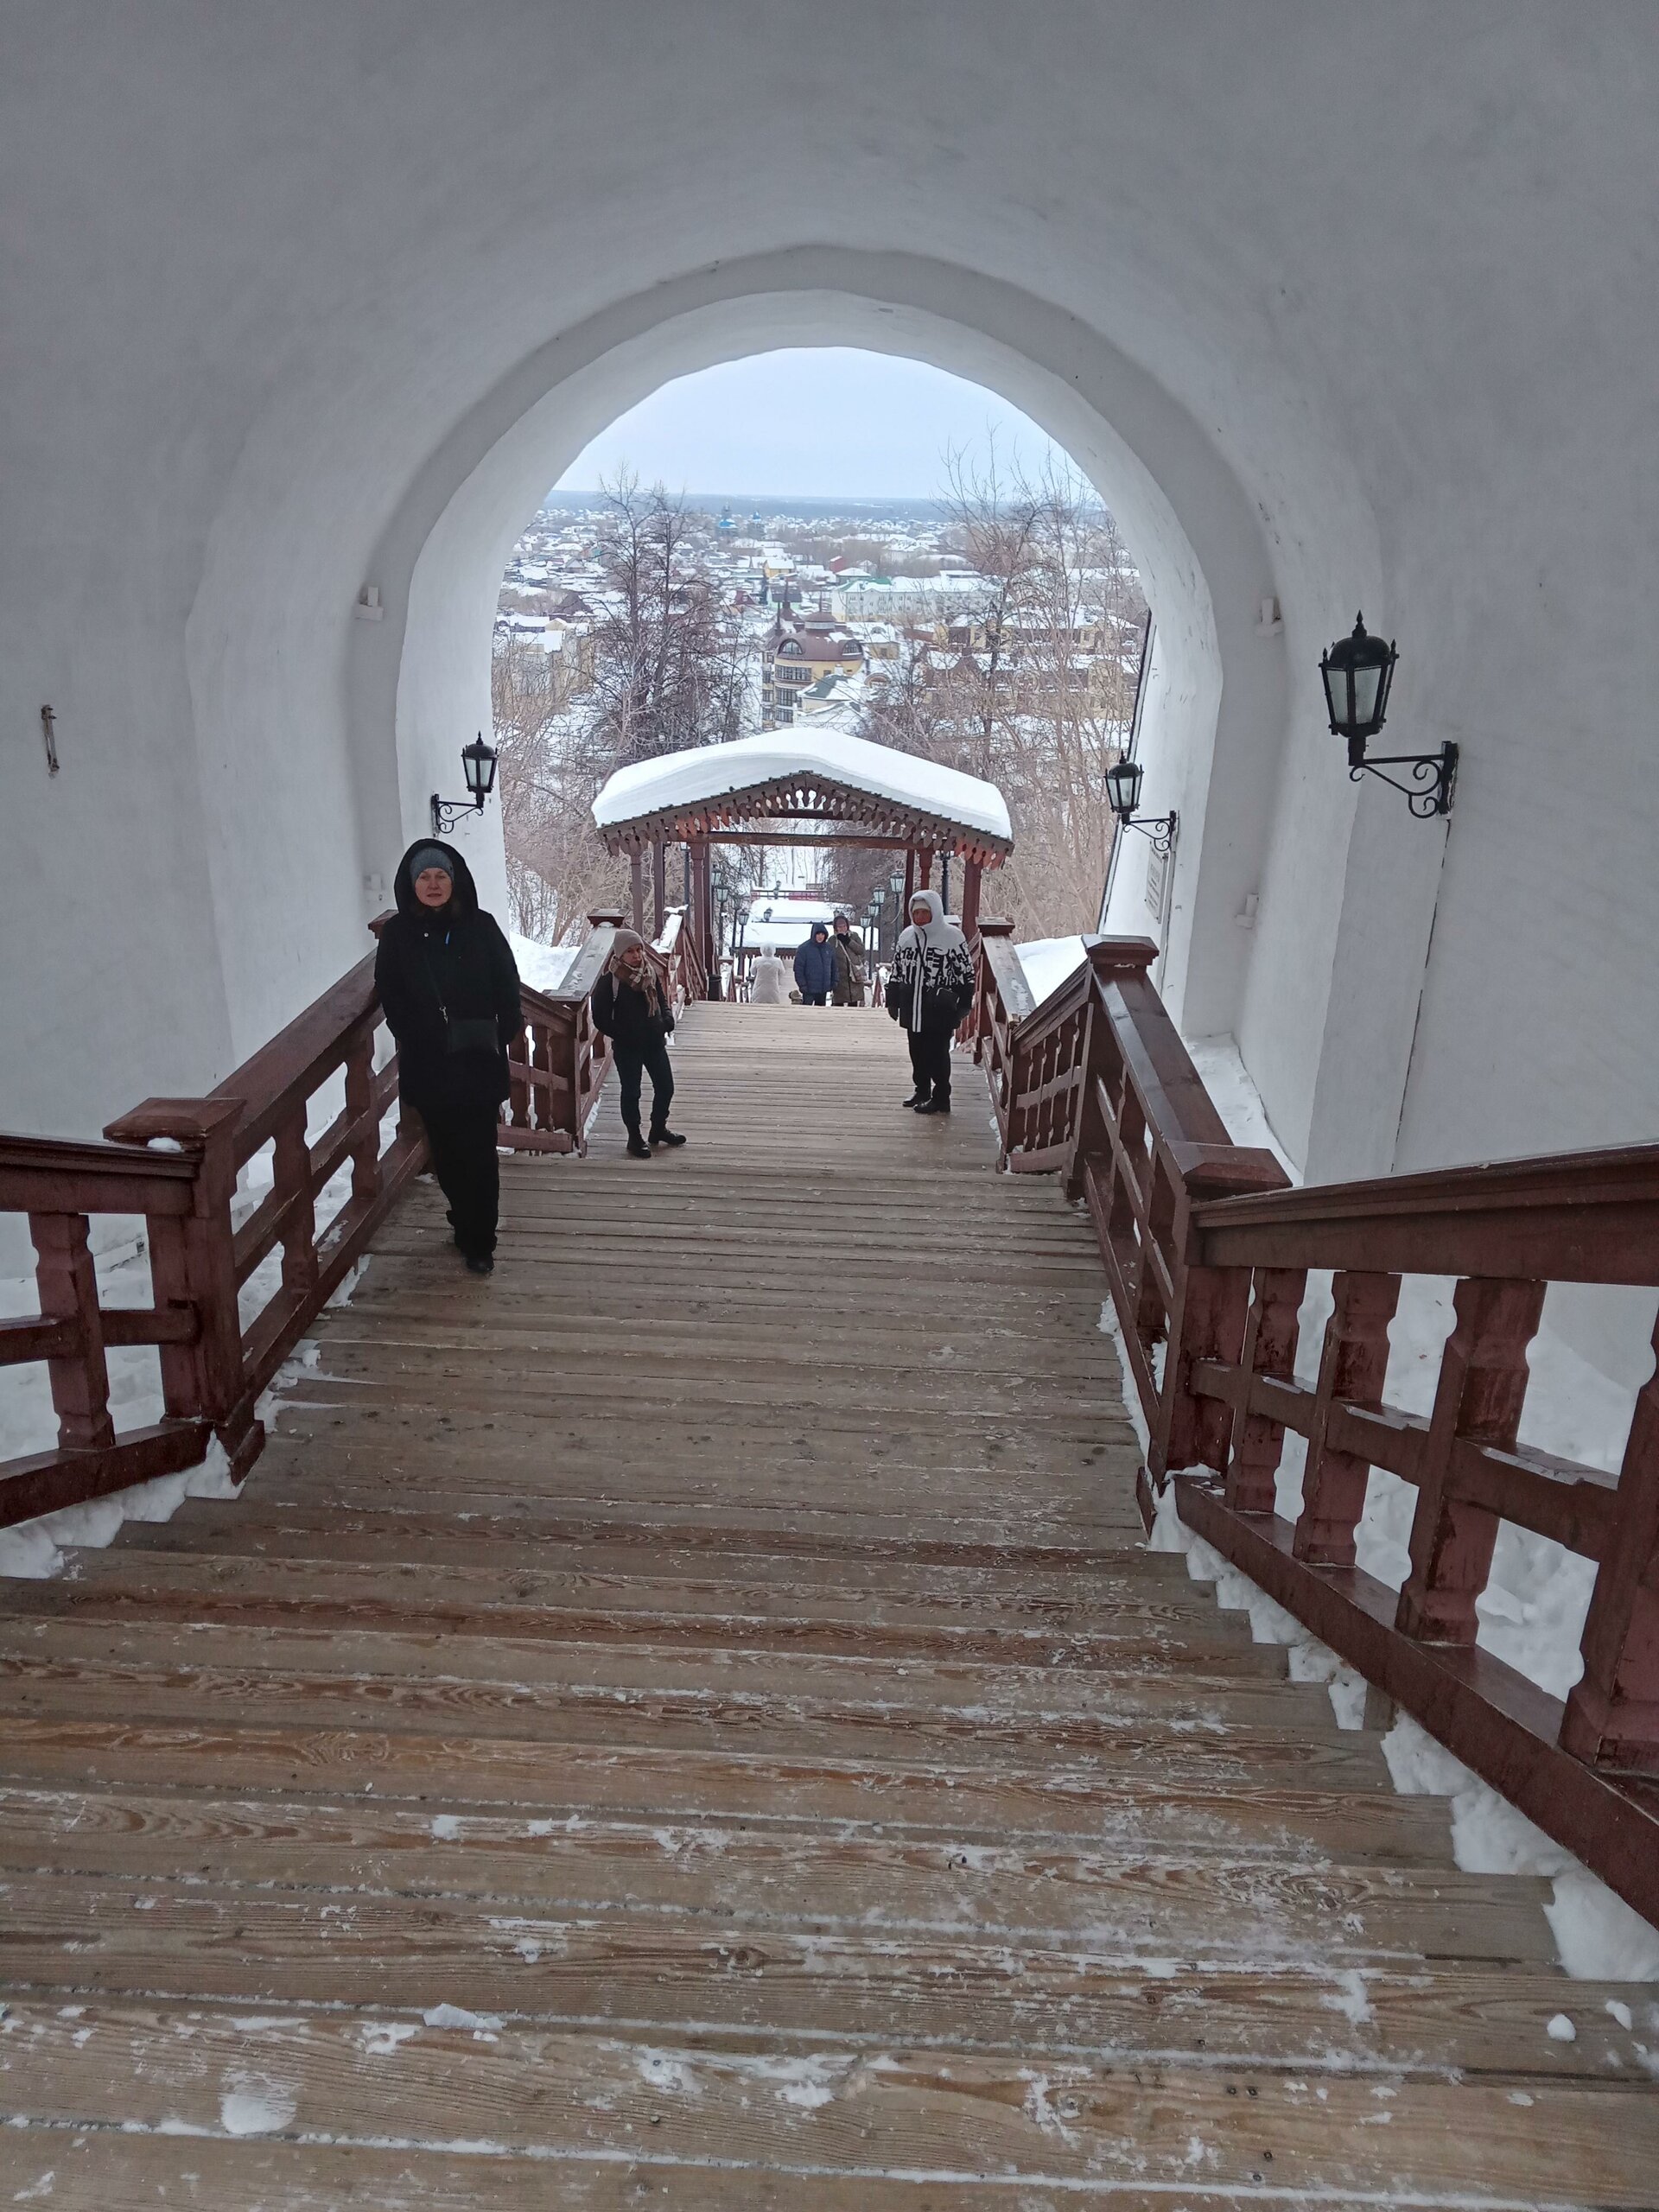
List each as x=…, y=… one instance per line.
x=1366, y=681
x=1124, y=786
x=1337, y=697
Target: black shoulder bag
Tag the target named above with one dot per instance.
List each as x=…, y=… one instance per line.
x=469, y=1034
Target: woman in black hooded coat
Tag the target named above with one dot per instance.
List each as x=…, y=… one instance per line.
x=448, y=987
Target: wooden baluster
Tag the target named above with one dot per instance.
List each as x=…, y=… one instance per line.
x=182, y=1395
x=1208, y=1324
x=1482, y=1387
x=542, y=1037
x=1612, y=1714
x=66, y=1282
x=564, y=1054
x=291, y=1179
x=1353, y=1367
x=206, y=1127
x=517, y=1114
x=1089, y=1137
x=1269, y=1349
x=359, y=1106
x=1163, y=1203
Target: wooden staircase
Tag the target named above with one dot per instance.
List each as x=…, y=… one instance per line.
x=693, y=1720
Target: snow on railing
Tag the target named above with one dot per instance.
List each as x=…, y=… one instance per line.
x=1207, y=1253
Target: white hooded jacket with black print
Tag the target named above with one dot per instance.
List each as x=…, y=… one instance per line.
x=932, y=984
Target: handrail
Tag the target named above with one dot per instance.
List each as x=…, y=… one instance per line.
x=222, y=1327
x=1206, y=1250
x=677, y=947
x=559, y=1066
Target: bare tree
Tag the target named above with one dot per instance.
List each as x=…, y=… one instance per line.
x=664, y=667
x=1036, y=690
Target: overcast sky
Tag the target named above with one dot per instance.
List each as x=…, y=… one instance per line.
x=825, y=420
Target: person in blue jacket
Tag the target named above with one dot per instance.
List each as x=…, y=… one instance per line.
x=815, y=967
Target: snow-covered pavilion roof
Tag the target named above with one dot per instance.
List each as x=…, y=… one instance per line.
x=795, y=774
x=782, y=922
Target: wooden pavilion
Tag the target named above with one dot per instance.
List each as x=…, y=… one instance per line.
x=797, y=788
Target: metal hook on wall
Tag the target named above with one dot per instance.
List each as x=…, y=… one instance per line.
x=48, y=731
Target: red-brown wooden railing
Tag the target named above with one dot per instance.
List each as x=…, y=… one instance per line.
x=176, y=1162
x=677, y=947
x=1206, y=1251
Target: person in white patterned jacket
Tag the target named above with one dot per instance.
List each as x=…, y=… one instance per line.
x=929, y=989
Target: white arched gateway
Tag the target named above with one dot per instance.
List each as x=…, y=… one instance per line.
x=819, y=789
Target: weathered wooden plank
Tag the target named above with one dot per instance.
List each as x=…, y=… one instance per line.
x=972, y=1606
x=1046, y=1692
x=967, y=1737
x=1283, y=1814
x=1113, y=1906
x=736, y=1985
x=958, y=2119
x=373, y=1603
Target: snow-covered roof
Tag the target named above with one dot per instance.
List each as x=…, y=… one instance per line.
x=804, y=758
x=785, y=922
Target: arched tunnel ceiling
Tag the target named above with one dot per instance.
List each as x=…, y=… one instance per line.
x=1395, y=266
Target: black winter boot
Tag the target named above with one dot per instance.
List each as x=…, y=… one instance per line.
x=939, y=1104
x=638, y=1148
x=670, y=1137
x=917, y=1098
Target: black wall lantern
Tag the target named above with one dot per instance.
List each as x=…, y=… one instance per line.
x=478, y=766
x=1358, y=675
x=1124, y=781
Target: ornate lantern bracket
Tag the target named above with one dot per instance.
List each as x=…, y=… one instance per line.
x=478, y=764
x=1357, y=673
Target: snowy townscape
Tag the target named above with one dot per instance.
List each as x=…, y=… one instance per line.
x=998, y=629
x=829, y=1145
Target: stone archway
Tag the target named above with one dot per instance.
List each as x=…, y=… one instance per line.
x=1217, y=696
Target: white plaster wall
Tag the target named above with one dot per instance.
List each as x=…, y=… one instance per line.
x=280, y=280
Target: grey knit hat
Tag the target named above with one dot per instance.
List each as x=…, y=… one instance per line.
x=426, y=857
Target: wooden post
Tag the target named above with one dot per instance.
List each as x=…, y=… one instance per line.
x=1352, y=1365
x=208, y=1126
x=711, y=942
x=1612, y=1714
x=925, y=870
x=1270, y=1333
x=1482, y=1386
x=359, y=1105
x=65, y=1282
x=970, y=874
x=636, y=883
x=658, y=887
x=291, y=1180
x=910, y=885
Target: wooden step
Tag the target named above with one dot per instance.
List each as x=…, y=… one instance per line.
x=971, y=1607
x=1349, y=1815
x=737, y=1985
x=314, y=1597
x=871, y=1889
x=825, y=2110
x=506, y=1528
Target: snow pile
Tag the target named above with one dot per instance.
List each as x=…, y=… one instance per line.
x=543, y=966
x=1598, y=1934
x=710, y=771
x=1048, y=961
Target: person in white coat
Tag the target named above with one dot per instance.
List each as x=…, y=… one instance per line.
x=769, y=985
x=930, y=988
